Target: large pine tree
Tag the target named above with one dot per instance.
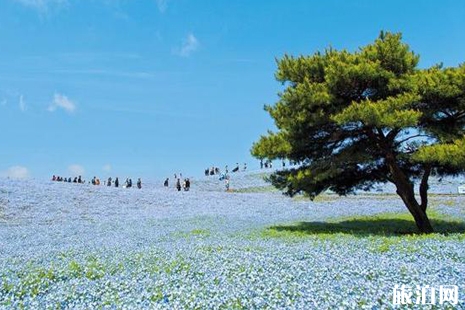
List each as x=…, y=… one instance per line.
x=372, y=116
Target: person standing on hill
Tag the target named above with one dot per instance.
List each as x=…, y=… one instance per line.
x=139, y=183
x=116, y=182
x=178, y=185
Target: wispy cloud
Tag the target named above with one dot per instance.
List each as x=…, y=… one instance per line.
x=42, y=6
x=22, y=104
x=8, y=95
x=162, y=5
x=190, y=45
x=16, y=172
x=76, y=170
x=106, y=168
x=62, y=102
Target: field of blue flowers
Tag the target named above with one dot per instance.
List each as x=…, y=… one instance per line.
x=72, y=246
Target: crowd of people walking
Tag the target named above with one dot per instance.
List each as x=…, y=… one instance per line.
x=225, y=175
x=61, y=179
x=96, y=181
x=215, y=170
x=180, y=183
x=185, y=184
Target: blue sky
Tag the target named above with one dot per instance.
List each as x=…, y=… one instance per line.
x=151, y=87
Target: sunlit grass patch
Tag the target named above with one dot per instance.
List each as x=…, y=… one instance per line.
x=198, y=232
x=384, y=224
x=256, y=189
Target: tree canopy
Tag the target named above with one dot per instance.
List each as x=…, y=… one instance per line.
x=355, y=119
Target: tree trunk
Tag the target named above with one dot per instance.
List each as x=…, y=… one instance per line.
x=405, y=191
x=419, y=215
x=424, y=188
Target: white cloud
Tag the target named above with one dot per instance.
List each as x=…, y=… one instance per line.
x=62, y=102
x=16, y=172
x=42, y=6
x=162, y=5
x=76, y=170
x=22, y=104
x=190, y=45
x=106, y=168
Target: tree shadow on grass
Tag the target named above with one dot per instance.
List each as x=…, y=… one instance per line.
x=362, y=227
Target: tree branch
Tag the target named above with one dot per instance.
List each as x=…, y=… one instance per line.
x=411, y=137
x=424, y=188
x=392, y=135
x=459, y=115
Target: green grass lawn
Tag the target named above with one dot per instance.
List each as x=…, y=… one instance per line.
x=384, y=224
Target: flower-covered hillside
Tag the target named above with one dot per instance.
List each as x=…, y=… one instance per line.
x=76, y=246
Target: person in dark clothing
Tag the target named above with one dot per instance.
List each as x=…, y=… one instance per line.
x=178, y=185
x=109, y=181
x=75, y=180
x=165, y=184
x=79, y=179
x=188, y=185
x=130, y=183
x=139, y=183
